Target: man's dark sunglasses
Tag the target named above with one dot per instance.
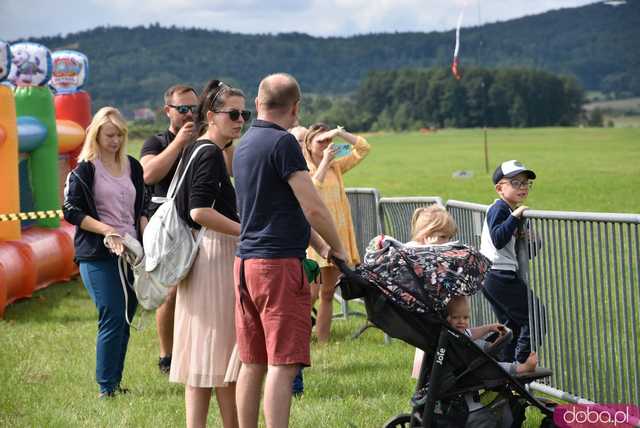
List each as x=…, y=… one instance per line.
x=184, y=108
x=235, y=114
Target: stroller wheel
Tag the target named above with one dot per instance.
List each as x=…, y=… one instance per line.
x=403, y=420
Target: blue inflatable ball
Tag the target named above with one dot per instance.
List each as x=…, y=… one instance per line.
x=31, y=133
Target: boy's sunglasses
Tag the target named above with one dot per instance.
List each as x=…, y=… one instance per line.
x=235, y=114
x=184, y=108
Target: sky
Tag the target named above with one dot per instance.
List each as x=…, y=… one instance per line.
x=35, y=18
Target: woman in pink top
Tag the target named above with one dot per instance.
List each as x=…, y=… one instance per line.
x=104, y=198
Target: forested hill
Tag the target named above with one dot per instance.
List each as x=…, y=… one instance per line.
x=132, y=66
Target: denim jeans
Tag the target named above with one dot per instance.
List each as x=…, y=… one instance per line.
x=102, y=281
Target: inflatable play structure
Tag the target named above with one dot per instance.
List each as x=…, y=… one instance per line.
x=43, y=117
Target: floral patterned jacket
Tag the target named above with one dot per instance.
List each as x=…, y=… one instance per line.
x=423, y=278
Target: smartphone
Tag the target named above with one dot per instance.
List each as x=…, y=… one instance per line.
x=342, y=149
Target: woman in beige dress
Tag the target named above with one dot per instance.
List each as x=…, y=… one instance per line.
x=204, y=342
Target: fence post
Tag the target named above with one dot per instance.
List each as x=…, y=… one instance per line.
x=522, y=251
x=522, y=254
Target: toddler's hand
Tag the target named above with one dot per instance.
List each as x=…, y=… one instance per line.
x=498, y=328
x=518, y=211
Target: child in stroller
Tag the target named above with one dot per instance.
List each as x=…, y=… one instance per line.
x=406, y=289
x=458, y=316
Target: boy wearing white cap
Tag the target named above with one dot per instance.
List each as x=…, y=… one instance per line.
x=505, y=290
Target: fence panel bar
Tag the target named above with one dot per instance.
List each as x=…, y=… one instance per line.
x=469, y=217
x=582, y=285
x=634, y=256
x=366, y=224
x=627, y=349
x=364, y=213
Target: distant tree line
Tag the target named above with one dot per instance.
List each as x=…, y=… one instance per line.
x=131, y=67
x=416, y=98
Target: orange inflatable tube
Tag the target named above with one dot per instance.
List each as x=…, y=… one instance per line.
x=17, y=272
x=10, y=194
x=41, y=257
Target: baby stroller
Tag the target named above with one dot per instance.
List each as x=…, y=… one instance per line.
x=406, y=290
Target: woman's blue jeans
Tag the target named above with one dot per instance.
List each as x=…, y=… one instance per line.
x=102, y=280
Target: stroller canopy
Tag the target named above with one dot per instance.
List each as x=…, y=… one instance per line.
x=423, y=278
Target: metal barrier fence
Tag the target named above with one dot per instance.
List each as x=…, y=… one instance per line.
x=470, y=217
x=585, y=269
x=366, y=224
x=364, y=213
x=396, y=213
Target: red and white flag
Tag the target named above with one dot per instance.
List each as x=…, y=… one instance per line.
x=457, y=73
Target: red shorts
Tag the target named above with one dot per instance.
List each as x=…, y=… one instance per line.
x=273, y=312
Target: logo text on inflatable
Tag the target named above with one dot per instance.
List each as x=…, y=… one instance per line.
x=69, y=71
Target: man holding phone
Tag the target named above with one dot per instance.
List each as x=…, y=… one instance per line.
x=159, y=157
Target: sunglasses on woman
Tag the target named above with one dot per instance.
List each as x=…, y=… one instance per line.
x=235, y=114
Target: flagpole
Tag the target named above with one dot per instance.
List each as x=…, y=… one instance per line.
x=484, y=99
x=484, y=125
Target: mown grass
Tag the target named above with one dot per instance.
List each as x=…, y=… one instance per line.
x=47, y=367
x=47, y=354
x=579, y=169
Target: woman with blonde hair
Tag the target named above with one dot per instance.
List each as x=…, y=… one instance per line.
x=104, y=199
x=326, y=170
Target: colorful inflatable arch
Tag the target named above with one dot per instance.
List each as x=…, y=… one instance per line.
x=40, y=136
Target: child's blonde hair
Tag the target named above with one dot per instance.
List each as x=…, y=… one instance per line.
x=458, y=302
x=428, y=220
x=102, y=117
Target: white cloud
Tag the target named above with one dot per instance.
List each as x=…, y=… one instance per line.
x=24, y=18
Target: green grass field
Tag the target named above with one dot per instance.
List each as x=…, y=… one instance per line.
x=47, y=369
x=47, y=358
x=579, y=169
